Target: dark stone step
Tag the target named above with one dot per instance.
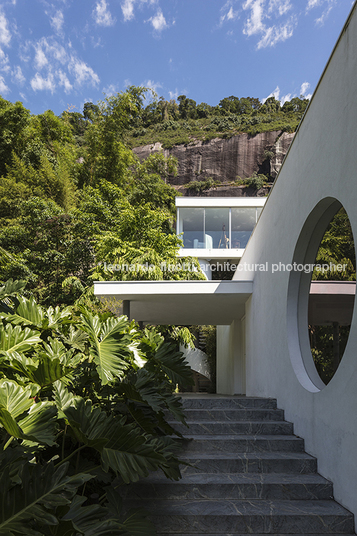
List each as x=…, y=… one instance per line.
x=233, y=486
x=252, y=414
x=247, y=443
x=247, y=517
x=226, y=402
x=241, y=534
x=231, y=428
x=252, y=462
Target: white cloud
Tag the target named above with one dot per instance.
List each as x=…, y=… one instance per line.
x=281, y=6
x=48, y=51
x=82, y=72
x=110, y=90
x=57, y=21
x=303, y=91
x=102, y=15
x=228, y=12
x=158, y=21
x=327, y=4
x=274, y=93
x=38, y=83
x=40, y=58
x=127, y=8
x=174, y=94
x=17, y=76
x=5, y=35
x=274, y=34
x=261, y=13
x=63, y=81
x=313, y=3
x=152, y=85
x=4, y=62
x=320, y=21
x=254, y=23
x=285, y=98
x=3, y=87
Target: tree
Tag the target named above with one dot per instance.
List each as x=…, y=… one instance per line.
x=14, y=120
x=187, y=107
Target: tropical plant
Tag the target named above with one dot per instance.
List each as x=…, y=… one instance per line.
x=83, y=402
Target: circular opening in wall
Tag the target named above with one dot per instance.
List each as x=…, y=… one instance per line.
x=332, y=296
x=321, y=294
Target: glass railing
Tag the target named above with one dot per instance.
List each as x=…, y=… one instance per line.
x=216, y=228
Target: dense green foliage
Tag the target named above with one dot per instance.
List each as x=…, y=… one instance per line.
x=82, y=402
x=172, y=123
x=74, y=199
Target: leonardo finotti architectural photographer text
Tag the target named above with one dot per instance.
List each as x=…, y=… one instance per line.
x=226, y=266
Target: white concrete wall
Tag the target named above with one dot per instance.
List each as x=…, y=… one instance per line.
x=230, y=360
x=322, y=162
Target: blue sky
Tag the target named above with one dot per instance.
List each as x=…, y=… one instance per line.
x=59, y=54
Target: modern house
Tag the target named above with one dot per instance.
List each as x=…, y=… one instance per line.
x=263, y=340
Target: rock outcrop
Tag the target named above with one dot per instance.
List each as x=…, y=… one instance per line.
x=225, y=160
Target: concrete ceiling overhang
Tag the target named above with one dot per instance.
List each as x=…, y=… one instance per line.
x=178, y=302
x=331, y=301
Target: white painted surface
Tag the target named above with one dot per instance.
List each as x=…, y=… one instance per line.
x=197, y=360
x=321, y=163
x=179, y=302
x=219, y=202
x=213, y=254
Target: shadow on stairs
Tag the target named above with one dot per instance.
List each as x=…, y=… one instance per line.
x=249, y=475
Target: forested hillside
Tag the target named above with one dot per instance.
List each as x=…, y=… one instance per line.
x=74, y=196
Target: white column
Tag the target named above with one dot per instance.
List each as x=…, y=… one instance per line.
x=206, y=268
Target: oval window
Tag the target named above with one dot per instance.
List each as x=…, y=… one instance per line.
x=332, y=295
x=321, y=294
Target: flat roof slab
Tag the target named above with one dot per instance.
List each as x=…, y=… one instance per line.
x=178, y=302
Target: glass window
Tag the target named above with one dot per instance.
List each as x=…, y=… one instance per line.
x=217, y=228
x=191, y=224
x=243, y=223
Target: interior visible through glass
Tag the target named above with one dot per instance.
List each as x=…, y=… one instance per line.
x=243, y=223
x=218, y=228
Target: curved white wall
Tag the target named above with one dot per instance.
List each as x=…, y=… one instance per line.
x=322, y=162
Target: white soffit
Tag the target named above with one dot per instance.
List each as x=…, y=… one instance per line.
x=219, y=202
x=179, y=302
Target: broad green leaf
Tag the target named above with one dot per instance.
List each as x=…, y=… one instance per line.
x=14, y=398
x=43, y=489
x=128, y=453
x=39, y=425
x=48, y=371
x=11, y=288
x=28, y=313
x=96, y=520
x=173, y=364
x=87, y=422
x=9, y=423
x=109, y=345
x=17, y=339
x=62, y=397
x=76, y=339
x=123, y=448
x=57, y=316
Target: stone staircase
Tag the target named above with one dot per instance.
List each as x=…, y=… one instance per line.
x=248, y=475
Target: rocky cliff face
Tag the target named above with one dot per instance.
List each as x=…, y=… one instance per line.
x=226, y=160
